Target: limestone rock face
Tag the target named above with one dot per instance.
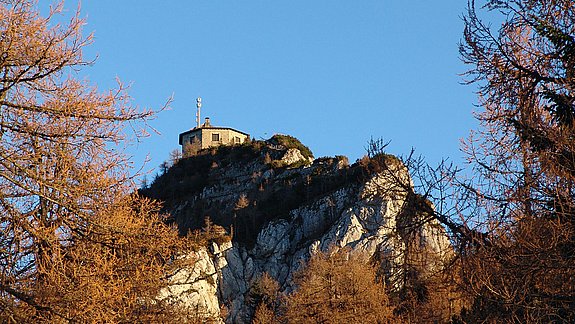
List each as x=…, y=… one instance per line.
x=196, y=286
x=339, y=207
x=292, y=156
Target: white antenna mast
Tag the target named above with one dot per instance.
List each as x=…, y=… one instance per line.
x=199, y=105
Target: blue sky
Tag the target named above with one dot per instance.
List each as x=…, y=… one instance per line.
x=331, y=73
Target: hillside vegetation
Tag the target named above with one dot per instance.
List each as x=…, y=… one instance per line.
x=254, y=171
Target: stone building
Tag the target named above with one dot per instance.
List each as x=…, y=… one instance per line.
x=206, y=135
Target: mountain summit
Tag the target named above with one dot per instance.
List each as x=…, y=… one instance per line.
x=269, y=206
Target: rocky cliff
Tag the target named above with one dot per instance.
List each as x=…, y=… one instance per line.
x=279, y=205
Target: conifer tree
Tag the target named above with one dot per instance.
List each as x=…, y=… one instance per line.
x=523, y=193
x=338, y=289
x=75, y=245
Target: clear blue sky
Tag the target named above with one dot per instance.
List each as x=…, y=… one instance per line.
x=331, y=73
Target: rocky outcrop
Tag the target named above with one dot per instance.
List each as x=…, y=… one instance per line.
x=361, y=213
x=196, y=286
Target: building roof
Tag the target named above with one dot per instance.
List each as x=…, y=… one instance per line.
x=196, y=129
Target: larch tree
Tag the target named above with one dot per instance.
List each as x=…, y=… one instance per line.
x=75, y=244
x=522, y=195
x=338, y=288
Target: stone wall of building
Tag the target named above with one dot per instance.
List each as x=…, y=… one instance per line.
x=226, y=137
x=205, y=138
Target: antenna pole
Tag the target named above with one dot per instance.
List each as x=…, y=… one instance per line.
x=198, y=105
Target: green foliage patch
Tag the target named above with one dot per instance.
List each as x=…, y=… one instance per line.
x=291, y=142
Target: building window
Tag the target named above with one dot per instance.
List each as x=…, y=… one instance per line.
x=238, y=140
x=215, y=137
x=193, y=139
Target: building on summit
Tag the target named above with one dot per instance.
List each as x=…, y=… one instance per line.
x=205, y=135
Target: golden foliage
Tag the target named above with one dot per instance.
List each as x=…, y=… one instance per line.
x=522, y=196
x=112, y=274
x=265, y=296
x=338, y=288
x=242, y=202
x=74, y=245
